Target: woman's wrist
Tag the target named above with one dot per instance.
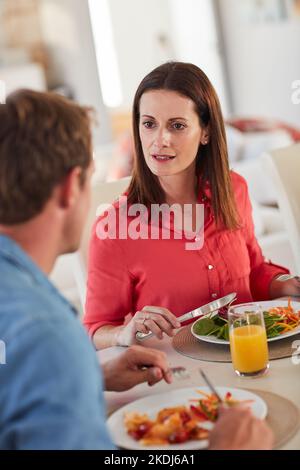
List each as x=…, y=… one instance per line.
x=106, y=337
x=118, y=336
x=284, y=289
x=123, y=336
x=276, y=287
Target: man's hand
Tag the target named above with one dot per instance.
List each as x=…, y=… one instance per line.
x=238, y=429
x=136, y=365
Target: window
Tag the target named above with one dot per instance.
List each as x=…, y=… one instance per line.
x=107, y=63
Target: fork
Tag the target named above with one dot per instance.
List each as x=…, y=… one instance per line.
x=178, y=372
x=181, y=372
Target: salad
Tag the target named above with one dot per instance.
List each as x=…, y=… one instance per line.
x=278, y=320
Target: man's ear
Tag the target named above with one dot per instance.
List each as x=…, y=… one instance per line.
x=70, y=188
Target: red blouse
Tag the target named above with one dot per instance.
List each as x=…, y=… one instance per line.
x=125, y=275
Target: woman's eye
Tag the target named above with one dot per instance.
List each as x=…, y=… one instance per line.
x=148, y=124
x=178, y=126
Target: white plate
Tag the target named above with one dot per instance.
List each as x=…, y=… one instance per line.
x=154, y=403
x=265, y=306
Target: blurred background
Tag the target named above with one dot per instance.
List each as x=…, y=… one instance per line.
x=97, y=51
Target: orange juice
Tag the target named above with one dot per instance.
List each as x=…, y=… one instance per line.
x=249, y=348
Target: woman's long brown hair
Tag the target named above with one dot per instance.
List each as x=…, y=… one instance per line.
x=212, y=159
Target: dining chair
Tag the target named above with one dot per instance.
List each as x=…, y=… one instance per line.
x=283, y=166
x=102, y=194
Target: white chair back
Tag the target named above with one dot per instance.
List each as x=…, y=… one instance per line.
x=283, y=165
x=102, y=193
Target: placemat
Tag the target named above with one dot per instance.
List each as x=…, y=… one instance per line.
x=283, y=417
x=185, y=343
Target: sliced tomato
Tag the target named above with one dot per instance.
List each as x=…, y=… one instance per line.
x=140, y=431
x=198, y=413
x=179, y=436
x=185, y=417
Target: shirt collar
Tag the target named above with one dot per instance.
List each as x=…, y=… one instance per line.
x=15, y=255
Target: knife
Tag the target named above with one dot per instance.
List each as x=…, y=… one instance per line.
x=198, y=312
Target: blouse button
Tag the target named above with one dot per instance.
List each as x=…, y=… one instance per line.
x=210, y=266
x=214, y=295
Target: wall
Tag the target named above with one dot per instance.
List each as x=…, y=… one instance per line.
x=188, y=32
x=136, y=26
x=263, y=61
x=195, y=37
x=67, y=32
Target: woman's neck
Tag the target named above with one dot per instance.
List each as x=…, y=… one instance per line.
x=180, y=189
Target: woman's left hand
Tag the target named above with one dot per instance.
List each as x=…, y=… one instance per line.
x=289, y=288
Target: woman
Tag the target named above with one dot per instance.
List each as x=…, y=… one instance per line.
x=143, y=284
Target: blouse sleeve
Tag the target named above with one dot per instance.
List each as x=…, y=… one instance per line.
x=109, y=285
x=262, y=270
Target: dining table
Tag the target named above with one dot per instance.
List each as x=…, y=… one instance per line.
x=282, y=378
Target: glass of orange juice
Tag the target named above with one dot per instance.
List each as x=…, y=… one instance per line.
x=248, y=340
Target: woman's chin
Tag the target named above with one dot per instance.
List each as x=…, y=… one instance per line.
x=163, y=171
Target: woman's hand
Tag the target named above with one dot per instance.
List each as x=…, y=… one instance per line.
x=159, y=320
x=284, y=289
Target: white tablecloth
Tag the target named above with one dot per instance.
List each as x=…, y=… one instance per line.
x=283, y=378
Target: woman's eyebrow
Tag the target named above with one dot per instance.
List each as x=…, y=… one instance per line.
x=179, y=117
x=171, y=119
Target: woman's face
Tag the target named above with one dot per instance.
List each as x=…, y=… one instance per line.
x=170, y=132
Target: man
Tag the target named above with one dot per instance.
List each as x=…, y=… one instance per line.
x=51, y=386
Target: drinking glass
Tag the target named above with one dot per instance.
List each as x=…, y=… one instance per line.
x=248, y=340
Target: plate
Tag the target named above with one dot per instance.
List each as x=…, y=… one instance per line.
x=154, y=403
x=265, y=306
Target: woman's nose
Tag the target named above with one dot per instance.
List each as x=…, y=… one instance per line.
x=162, y=138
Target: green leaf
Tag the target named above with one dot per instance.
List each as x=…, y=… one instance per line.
x=204, y=327
x=220, y=321
x=226, y=332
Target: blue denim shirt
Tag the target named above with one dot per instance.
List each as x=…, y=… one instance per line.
x=51, y=385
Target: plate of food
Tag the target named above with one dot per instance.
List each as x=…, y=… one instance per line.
x=282, y=319
x=178, y=419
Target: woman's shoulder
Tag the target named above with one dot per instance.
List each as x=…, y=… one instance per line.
x=111, y=220
x=238, y=180
x=117, y=209
x=240, y=189
x=239, y=184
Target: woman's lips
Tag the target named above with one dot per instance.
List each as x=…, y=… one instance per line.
x=162, y=158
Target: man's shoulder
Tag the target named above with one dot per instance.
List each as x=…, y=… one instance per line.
x=39, y=332
x=32, y=302
x=52, y=369
x=22, y=305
